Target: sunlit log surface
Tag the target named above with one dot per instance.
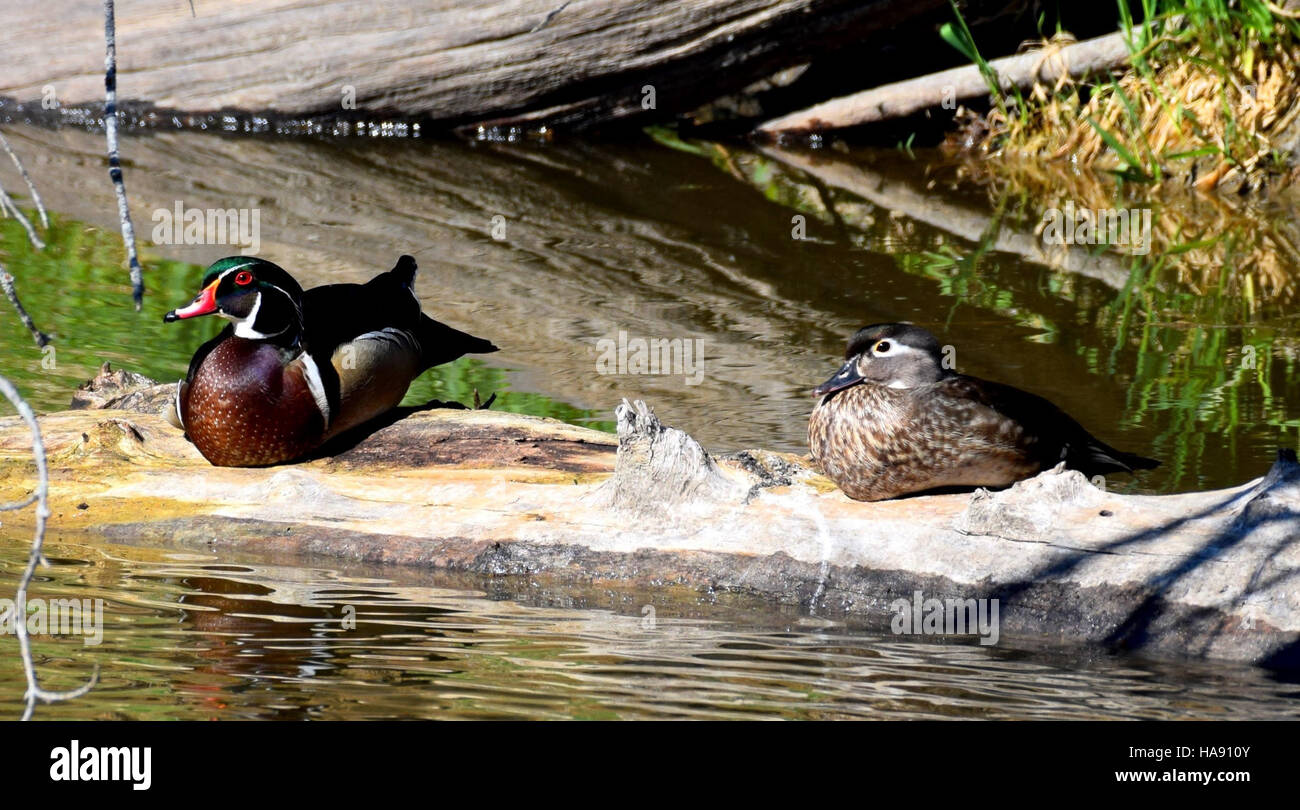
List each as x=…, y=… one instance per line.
x=1207, y=574
x=571, y=63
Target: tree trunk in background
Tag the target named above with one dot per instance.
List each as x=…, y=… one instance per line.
x=454, y=62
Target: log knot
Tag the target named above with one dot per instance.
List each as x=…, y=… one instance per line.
x=109, y=439
x=122, y=390
x=662, y=471
x=1029, y=509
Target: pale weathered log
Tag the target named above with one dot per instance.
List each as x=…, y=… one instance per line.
x=450, y=61
x=1209, y=574
x=1047, y=66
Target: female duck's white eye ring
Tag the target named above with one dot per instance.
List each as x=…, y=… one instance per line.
x=882, y=347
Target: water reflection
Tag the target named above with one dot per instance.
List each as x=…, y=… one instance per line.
x=1167, y=359
x=191, y=637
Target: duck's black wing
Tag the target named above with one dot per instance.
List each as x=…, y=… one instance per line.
x=440, y=343
x=1050, y=435
x=339, y=313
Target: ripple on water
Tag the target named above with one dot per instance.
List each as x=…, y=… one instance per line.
x=189, y=637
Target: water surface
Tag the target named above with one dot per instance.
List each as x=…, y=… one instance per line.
x=1156, y=354
x=654, y=240
x=192, y=636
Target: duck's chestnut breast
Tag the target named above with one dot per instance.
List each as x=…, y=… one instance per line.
x=246, y=408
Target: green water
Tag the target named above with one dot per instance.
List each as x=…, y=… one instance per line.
x=80, y=297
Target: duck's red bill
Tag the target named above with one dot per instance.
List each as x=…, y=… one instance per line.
x=204, y=303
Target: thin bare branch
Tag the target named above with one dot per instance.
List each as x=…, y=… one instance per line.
x=35, y=557
x=114, y=159
x=7, y=202
x=9, y=507
x=36, y=196
x=7, y=284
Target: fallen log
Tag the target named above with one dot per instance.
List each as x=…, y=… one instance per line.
x=1201, y=574
x=900, y=99
x=495, y=62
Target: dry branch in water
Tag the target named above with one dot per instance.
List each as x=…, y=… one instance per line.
x=114, y=160
x=904, y=98
x=35, y=556
x=7, y=279
x=22, y=170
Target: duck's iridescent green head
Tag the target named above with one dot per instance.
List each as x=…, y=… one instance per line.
x=260, y=297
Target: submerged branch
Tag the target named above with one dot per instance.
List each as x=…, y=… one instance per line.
x=7, y=284
x=22, y=170
x=35, y=557
x=7, y=203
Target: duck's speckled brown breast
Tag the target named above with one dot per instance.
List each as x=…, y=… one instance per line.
x=245, y=408
x=876, y=442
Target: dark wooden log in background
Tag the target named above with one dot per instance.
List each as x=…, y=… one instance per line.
x=451, y=61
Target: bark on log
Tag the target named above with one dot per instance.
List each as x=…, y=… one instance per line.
x=1208, y=574
x=572, y=63
x=901, y=99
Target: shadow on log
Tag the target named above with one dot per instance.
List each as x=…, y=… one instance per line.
x=1202, y=574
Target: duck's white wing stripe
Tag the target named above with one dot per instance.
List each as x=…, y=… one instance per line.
x=316, y=387
x=176, y=403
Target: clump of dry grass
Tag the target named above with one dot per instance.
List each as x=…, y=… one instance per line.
x=1209, y=99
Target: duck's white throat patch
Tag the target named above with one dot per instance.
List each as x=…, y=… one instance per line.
x=244, y=326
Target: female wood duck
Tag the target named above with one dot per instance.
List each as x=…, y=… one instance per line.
x=296, y=368
x=894, y=421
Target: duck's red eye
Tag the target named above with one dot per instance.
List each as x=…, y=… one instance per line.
x=243, y=278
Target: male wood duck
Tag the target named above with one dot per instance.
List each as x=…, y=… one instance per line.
x=894, y=421
x=294, y=368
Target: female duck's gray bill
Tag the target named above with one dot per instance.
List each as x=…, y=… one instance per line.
x=844, y=378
